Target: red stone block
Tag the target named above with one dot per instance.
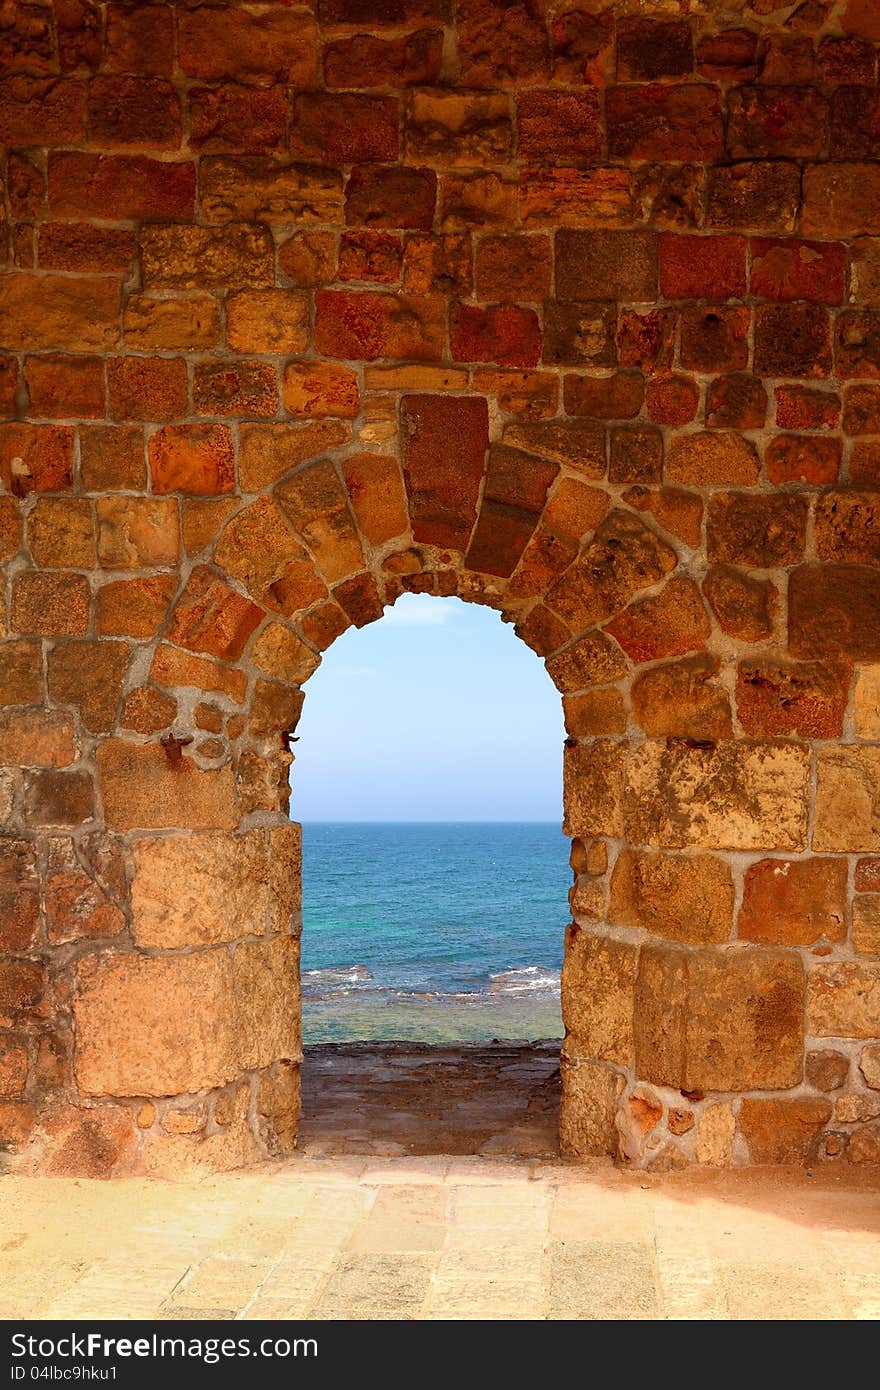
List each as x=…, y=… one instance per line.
x=715, y=338
x=238, y=118
x=672, y=399
x=857, y=343
x=437, y=265
x=792, y=340
x=359, y=599
x=672, y=622
x=616, y=397
x=864, y=463
x=769, y=122
x=743, y=604
x=25, y=186
x=855, y=123
x=786, y=60
x=262, y=45
x=582, y=46
x=736, y=402
x=648, y=49
x=41, y=111
x=391, y=197
x=861, y=410
x=235, y=388
x=646, y=340
x=565, y=127
x=147, y=388
x=847, y=60
x=636, y=454
x=502, y=44
x=514, y=497
x=514, y=267
x=804, y=458
x=699, y=267
x=36, y=458
x=22, y=990
x=728, y=56
x=502, y=334
x=211, y=617
x=192, y=458
x=793, y=902
x=91, y=250
x=354, y=324
x=784, y=269
x=806, y=408
x=64, y=386
x=79, y=34
x=757, y=530
x=579, y=333
x=373, y=256
x=444, y=456
x=755, y=194
x=676, y=122
x=860, y=17
x=140, y=39
x=597, y=265
x=413, y=60
x=783, y=698
x=133, y=111
x=8, y=385
x=344, y=128
x=120, y=187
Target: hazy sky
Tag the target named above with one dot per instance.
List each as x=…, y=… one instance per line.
x=437, y=712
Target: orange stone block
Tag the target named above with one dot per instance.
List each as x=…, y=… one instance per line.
x=51, y=605
x=36, y=458
x=137, y=532
x=134, y=607
x=321, y=389
x=375, y=487
x=192, y=458
x=211, y=617
x=36, y=738
x=61, y=533
x=143, y=788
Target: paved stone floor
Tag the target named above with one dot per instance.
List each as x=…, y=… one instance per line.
x=410, y=1098
x=349, y=1237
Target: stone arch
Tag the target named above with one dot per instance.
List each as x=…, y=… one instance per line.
x=184, y=1011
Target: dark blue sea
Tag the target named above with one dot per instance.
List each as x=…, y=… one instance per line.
x=433, y=932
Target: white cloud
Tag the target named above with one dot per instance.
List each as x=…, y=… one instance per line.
x=421, y=610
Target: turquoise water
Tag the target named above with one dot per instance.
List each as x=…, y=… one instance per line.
x=433, y=932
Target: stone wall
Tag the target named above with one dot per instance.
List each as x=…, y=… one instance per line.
x=572, y=309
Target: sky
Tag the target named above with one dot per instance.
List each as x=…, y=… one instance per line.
x=437, y=712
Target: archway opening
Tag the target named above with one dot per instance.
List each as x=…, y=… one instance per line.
x=428, y=781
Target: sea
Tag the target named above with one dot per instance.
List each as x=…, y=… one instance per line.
x=433, y=932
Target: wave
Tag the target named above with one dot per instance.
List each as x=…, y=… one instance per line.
x=338, y=980
x=334, y=979
x=529, y=979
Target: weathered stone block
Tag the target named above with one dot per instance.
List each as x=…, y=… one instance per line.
x=794, y=902
x=685, y=898
x=143, y=788
x=784, y=1131
x=847, y=814
x=195, y=890
x=598, y=980
x=592, y=789
x=155, y=1026
x=843, y=1000
x=591, y=1093
x=722, y=1019
x=734, y=795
